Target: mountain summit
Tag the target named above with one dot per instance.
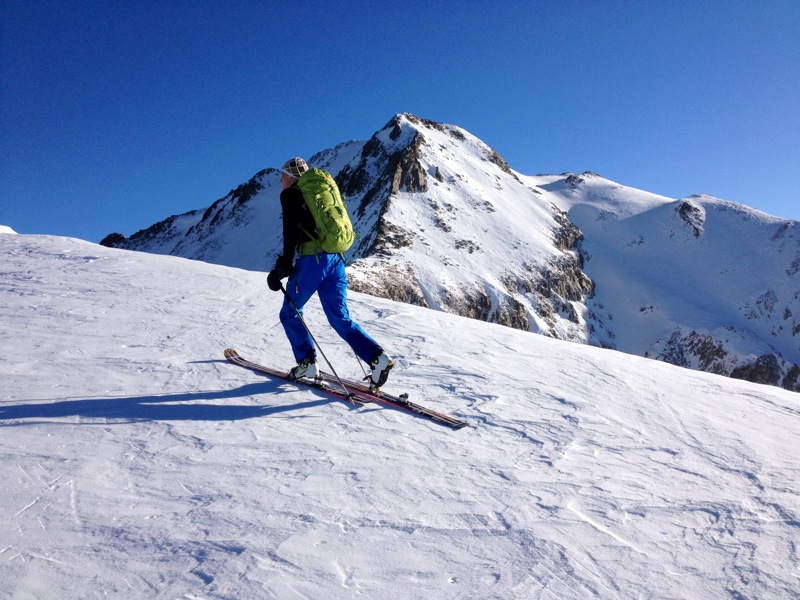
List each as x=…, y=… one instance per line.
x=445, y=223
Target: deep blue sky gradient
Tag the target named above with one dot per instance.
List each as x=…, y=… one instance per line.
x=115, y=115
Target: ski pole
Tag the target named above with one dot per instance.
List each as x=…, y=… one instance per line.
x=360, y=364
x=330, y=366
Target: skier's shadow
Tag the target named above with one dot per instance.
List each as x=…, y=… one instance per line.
x=188, y=406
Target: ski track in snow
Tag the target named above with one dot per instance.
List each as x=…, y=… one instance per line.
x=137, y=463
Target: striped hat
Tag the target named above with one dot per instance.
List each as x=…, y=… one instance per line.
x=295, y=167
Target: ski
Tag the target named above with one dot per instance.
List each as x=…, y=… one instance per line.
x=400, y=401
x=355, y=391
x=337, y=391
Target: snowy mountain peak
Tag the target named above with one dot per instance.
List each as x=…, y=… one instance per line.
x=445, y=223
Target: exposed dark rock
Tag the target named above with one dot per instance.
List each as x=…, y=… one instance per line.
x=390, y=237
x=682, y=345
x=468, y=245
x=764, y=306
x=114, y=240
x=246, y=191
x=163, y=229
x=395, y=282
x=398, y=172
x=567, y=236
x=472, y=302
x=764, y=370
x=511, y=313
x=693, y=216
x=494, y=158
x=791, y=381
x=409, y=176
x=711, y=357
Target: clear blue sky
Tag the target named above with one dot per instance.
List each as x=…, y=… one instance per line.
x=117, y=114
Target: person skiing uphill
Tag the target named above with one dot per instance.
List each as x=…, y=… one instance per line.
x=314, y=270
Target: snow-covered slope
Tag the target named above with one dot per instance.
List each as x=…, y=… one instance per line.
x=137, y=463
x=701, y=283
x=445, y=223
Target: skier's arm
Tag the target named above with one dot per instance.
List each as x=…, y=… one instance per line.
x=292, y=204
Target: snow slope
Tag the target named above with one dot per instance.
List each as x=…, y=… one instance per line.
x=672, y=272
x=137, y=463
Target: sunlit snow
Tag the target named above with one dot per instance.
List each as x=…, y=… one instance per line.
x=137, y=463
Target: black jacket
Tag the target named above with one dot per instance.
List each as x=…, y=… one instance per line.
x=298, y=223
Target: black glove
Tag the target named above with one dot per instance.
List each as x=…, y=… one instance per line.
x=283, y=268
x=274, y=280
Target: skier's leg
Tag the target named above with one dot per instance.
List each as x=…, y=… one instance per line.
x=333, y=297
x=300, y=286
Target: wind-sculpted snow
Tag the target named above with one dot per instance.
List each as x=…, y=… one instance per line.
x=138, y=463
x=445, y=223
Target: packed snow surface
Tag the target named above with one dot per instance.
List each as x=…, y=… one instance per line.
x=137, y=463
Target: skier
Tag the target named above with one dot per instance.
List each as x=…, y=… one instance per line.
x=323, y=273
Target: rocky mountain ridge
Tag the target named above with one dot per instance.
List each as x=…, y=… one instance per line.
x=445, y=223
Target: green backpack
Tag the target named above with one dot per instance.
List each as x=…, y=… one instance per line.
x=334, y=232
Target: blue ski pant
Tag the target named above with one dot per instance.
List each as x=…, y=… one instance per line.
x=324, y=274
